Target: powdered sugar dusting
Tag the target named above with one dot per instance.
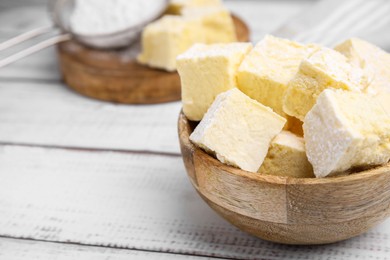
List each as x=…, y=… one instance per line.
x=201, y=50
x=95, y=17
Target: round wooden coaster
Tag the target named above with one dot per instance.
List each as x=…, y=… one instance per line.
x=116, y=76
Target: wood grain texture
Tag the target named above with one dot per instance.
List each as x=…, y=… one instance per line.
x=231, y=189
x=134, y=201
x=300, y=234
x=106, y=199
x=349, y=18
x=116, y=76
x=52, y=115
x=18, y=249
x=111, y=77
x=45, y=181
x=40, y=66
x=289, y=210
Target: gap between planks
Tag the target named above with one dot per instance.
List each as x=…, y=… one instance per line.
x=18, y=239
x=31, y=80
x=87, y=149
x=53, y=115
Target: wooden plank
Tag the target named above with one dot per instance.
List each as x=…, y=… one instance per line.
x=13, y=3
x=135, y=201
x=266, y=16
x=368, y=20
x=42, y=65
x=18, y=249
x=20, y=16
x=51, y=114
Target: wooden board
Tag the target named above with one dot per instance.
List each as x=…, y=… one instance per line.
x=132, y=201
x=116, y=76
x=50, y=114
x=19, y=249
x=47, y=113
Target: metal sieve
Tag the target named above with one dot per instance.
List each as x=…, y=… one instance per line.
x=60, y=12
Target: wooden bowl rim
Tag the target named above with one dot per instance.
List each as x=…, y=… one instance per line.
x=360, y=176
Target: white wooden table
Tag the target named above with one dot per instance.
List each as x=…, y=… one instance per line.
x=83, y=179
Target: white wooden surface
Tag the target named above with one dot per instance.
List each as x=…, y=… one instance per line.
x=17, y=249
x=134, y=201
x=84, y=179
x=51, y=114
x=330, y=22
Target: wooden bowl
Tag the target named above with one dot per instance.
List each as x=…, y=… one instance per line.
x=284, y=209
x=116, y=76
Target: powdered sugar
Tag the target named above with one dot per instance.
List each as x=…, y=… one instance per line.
x=96, y=17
